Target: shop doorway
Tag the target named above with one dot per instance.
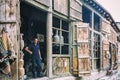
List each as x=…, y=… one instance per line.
x=33, y=23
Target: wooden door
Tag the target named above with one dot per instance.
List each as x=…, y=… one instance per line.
x=83, y=49
x=74, y=50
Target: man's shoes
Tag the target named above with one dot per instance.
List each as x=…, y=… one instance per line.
x=40, y=75
x=34, y=76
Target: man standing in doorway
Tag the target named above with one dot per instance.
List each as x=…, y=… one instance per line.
x=34, y=50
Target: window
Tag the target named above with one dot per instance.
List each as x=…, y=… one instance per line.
x=60, y=36
x=96, y=52
x=94, y=21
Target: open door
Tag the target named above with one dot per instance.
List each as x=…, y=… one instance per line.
x=33, y=24
x=81, y=56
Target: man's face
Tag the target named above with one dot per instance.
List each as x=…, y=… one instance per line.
x=35, y=41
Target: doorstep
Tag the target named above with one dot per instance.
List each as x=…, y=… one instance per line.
x=43, y=78
x=59, y=78
x=94, y=75
x=65, y=78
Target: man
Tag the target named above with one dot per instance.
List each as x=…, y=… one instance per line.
x=34, y=50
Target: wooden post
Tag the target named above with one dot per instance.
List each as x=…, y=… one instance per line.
x=18, y=36
x=49, y=41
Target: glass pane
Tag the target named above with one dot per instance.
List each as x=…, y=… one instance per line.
x=65, y=36
x=90, y=33
x=87, y=15
x=56, y=22
x=96, y=22
x=96, y=46
x=65, y=49
x=97, y=64
x=90, y=44
x=56, y=49
x=65, y=25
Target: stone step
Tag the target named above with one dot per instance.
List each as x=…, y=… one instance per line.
x=60, y=78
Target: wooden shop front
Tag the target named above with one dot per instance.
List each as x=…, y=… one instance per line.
x=53, y=26
x=70, y=34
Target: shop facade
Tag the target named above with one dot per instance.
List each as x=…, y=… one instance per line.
x=76, y=39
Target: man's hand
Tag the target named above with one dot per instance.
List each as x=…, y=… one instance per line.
x=28, y=50
x=31, y=52
x=40, y=54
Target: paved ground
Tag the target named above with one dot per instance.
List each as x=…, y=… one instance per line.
x=114, y=76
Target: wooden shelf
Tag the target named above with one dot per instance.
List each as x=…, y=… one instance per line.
x=83, y=57
x=7, y=22
x=84, y=72
x=83, y=41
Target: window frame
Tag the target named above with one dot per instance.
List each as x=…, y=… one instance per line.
x=60, y=32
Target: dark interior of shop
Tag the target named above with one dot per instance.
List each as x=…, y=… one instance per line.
x=33, y=24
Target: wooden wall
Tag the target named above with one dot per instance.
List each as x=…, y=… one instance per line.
x=105, y=26
x=44, y=2
x=61, y=6
x=8, y=20
x=76, y=9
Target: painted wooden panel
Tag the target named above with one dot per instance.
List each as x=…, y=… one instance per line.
x=112, y=37
x=105, y=54
x=105, y=44
x=12, y=34
x=83, y=49
x=60, y=65
x=8, y=10
x=74, y=50
x=75, y=64
x=61, y=6
x=106, y=26
x=75, y=4
x=118, y=52
x=45, y=2
x=75, y=60
x=82, y=34
x=114, y=54
x=84, y=66
x=105, y=60
x=8, y=21
x=76, y=9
